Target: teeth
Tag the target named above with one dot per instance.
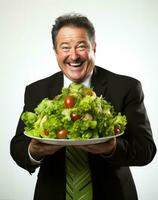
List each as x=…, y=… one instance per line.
x=75, y=64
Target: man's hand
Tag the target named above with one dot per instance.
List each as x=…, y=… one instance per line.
x=38, y=150
x=106, y=148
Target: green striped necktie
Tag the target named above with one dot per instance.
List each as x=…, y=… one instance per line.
x=78, y=177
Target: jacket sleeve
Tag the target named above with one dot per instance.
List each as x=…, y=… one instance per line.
x=19, y=143
x=136, y=146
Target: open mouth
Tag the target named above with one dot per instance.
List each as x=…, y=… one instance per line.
x=76, y=64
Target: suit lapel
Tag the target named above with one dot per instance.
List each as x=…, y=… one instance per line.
x=99, y=82
x=56, y=85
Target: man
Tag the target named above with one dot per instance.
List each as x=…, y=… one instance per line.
x=74, y=44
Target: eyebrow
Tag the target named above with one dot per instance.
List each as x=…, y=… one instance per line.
x=63, y=43
x=79, y=42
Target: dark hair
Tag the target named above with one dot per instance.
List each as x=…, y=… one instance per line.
x=73, y=19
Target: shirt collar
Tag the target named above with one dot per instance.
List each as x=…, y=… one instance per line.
x=86, y=82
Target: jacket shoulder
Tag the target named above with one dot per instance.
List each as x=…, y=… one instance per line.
x=46, y=81
x=114, y=78
x=46, y=87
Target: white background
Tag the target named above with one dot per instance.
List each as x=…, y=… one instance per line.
x=127, y=43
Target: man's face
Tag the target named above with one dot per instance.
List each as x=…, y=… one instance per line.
x=75, y=53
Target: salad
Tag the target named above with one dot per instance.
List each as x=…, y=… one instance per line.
x=76, y=113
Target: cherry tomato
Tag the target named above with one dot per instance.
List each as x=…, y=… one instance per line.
x=75, y=116
x=46, y=132
x=69, y=102
x=117, y=130
x=62, y=134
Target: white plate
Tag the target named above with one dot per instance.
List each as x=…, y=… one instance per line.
x=65, y=142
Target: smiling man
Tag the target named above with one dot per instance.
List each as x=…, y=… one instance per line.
x=106, y=173
x=75, y=52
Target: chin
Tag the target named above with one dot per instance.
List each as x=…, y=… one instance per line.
x=75, y=79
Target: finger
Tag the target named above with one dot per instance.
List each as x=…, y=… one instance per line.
x=41, y=149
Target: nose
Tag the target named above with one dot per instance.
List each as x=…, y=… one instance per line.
x=73, y=54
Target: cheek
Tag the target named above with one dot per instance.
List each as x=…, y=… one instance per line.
x=61, y=58
x=92, y=56
x=89, y=55
x=84, y=56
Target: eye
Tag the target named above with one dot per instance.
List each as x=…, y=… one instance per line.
x=82, y=47
x=65, y=48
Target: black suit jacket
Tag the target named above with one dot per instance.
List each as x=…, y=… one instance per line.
x=111, y=175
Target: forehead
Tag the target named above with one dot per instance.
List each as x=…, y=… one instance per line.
x=70, y=34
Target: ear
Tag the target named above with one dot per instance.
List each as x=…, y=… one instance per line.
x=94, y=47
